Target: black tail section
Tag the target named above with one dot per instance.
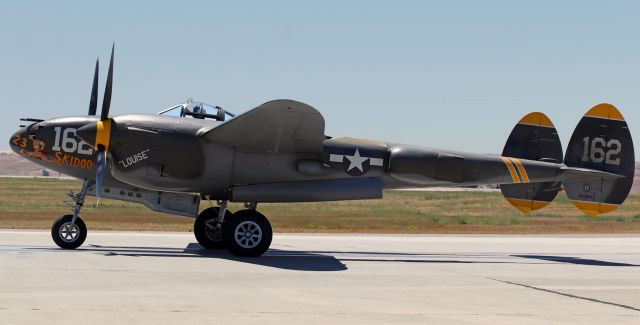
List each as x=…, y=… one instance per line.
x=533, y=138
x=601, y=141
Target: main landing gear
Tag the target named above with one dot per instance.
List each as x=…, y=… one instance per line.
x=244, y=233
x=69, y=232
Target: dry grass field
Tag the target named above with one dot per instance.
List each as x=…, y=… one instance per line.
x=36, y=203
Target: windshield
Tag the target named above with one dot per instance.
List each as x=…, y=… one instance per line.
x=198, y=110
x=173, y=111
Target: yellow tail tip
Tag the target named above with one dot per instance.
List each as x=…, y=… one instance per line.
x=526, y=206
x=593, y=209
x=605, y=110
x=536, y=118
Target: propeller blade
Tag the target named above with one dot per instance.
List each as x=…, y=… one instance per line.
x=101, y=162
x=106, y=101
x=93, y=103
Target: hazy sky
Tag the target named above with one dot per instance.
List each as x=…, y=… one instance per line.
x=448, y=74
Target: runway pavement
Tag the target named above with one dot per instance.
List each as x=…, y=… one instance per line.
x=129, y=277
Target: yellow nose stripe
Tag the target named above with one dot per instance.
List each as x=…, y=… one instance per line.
x=512, y=170
x=523, y=173
x=103, y=134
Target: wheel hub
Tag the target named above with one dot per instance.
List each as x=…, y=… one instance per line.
x=67, y=233
x=213, y=230
x=248, y=234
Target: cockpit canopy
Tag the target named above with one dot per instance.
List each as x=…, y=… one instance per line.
x=197, y=110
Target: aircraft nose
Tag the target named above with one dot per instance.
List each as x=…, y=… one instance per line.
x=21, y=140
x=18, y=140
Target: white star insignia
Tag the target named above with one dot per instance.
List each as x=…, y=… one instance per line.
x=356, y=161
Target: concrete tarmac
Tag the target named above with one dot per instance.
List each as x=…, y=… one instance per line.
x=142, y=277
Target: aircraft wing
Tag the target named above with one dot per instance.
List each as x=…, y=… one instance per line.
x=279, y=126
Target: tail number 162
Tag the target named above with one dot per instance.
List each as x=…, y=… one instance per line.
x=594, y=151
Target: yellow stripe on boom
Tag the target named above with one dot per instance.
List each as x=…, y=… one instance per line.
x=512, y=170
x=523, y=173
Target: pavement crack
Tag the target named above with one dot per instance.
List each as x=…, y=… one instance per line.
x=567, y=294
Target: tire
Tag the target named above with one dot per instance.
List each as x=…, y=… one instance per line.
x=65, y=240
x=248, y=233
x=205, y=236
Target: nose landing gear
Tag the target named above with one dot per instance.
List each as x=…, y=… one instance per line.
x=69, y=232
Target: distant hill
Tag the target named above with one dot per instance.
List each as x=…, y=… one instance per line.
x=14, y=165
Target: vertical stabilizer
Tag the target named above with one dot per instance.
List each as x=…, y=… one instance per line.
x=602, y=142
x=533, y=138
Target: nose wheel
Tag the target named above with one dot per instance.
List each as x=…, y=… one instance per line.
x=69, y=235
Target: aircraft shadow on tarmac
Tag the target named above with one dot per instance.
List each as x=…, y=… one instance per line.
x=329, y=261
x=299, y=260
x=574, y=260
x=289, y=260
x=296, y=259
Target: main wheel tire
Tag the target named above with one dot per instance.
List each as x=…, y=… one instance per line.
x=248, y=233
x=206, y=231
x=68, y=237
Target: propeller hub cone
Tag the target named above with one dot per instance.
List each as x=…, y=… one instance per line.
x=88, y=133
x=98, y=134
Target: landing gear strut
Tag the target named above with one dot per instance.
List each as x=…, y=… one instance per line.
x=208, y=226
x=69, y=232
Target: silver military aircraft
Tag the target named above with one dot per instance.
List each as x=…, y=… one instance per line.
x=278, y=152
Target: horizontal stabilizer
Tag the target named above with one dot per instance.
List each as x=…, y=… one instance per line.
x=577, y=174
